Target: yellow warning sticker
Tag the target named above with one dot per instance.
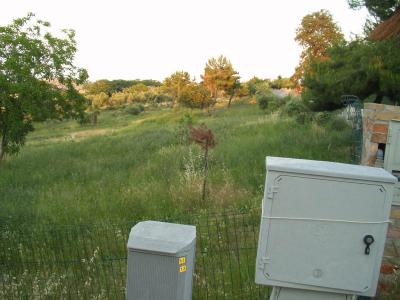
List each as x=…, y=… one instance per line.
x=182, y=260
x=182, y=269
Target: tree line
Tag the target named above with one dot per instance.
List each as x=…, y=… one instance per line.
x=331, y=67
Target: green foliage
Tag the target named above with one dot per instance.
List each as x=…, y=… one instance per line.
x=254, y=84
x=360, y=67
x=37, y=79
x=322, y=118
x=195, y=96
x=219, y=75
x=113, y=86
x=136, y=88
x=317, y=32
x=338, y=123
x=118, y=99
x=282, y=83
x=264, y=99
x=128, y=167
x=98, y=87
x=183, y=129
x=175, y=84
x=295, y=107
x=263, y=102
x=134, y=109
x=379, y=9
x=99, y=100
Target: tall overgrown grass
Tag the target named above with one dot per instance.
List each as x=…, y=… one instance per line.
x=128, y=167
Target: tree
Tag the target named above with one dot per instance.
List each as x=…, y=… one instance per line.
x=98, y=87
x=136, y=88
x=232, y=89
x=219, y=75
x=175, y=83
x=316, y=33
x=380, y=9
x=204, y=137
x=37, y=79
x=195, y=96
x=360, y=67
x=282, y=83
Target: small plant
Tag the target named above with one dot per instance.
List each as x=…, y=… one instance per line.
x=322, y=118
x=263, y=102
x=134, y=109
x=294, y=107
x=183, y=130
x=338, y=123
x=204, y=137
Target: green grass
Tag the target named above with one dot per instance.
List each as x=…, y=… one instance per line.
x=128, y=167
x=69, y=199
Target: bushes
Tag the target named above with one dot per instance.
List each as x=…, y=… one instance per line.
x=294, y=107
x=195, y=96
x=338, y=123
x=134, y=109
x=262, y=101
x=322, y=118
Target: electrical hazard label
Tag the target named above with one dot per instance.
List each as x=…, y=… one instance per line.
x=182, y=269
x=182, y=260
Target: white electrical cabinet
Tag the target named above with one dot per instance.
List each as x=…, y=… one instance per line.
x=323, y=226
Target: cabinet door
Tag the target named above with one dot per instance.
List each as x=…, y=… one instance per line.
x=316, y=229
x=392, y=153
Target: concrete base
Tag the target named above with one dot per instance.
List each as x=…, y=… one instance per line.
x=279, y=293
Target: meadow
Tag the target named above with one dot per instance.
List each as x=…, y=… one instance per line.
x=127, y=167
x=69, y=199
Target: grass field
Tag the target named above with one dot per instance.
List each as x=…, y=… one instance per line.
x=70, y=198
x=127, y=167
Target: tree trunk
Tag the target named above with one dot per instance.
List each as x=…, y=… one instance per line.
x=2, y=148
x=230, y=99
x=203, y=196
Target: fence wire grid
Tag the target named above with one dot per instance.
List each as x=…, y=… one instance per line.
x=89, y=261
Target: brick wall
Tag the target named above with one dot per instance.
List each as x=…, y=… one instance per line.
x=376, y=118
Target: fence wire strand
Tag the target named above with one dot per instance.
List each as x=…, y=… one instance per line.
x=89, y=261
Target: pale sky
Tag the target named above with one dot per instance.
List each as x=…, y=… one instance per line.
x=129, y=39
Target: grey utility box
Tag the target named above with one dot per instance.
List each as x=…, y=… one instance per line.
x=317, y=222
x=160, y=261
x=392, y=156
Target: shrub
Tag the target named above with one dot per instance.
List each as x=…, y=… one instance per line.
x=118, y=99
x=338, y=123
x=195, y=96
x=263, y=102
x=322, y=118
x=100, y=99
x=134, y=109
x=265, y=99
x=162, y=98
x=294, y=107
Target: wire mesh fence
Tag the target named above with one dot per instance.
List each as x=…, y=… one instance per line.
x=89, y=261
x=353, y=108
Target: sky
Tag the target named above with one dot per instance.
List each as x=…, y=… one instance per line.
x=143, y=39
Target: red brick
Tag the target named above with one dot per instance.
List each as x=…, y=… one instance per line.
x=388, y=268
x=380, y=128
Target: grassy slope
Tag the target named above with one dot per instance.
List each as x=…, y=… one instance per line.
x=133, y=166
